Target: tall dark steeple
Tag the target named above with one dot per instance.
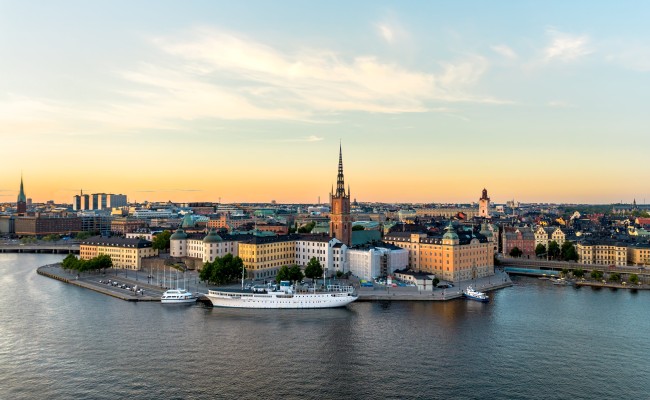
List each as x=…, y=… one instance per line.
x=340, y=184
x=21, y=204
x=340, y=219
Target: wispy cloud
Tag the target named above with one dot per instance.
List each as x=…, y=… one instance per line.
x=386, y=32
x=566, y=47
x=504, y=51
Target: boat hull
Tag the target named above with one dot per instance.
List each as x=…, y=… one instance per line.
x=178, y=301
x=480, y=299
x=273, y=300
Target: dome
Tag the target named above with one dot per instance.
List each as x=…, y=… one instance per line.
x=451, y=233
x=212, y=237
x=178, y=235
x=188, y=221
x=485, y=231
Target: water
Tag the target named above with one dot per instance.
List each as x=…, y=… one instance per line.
x=532, y=341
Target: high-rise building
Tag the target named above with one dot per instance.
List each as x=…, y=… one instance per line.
x=340, y=219
x=21, y=204
x=98, y=201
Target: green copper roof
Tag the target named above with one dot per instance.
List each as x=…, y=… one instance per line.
x=212, y=237
x=188, y=221
x=21, y=196
x=178, y=235
x=451, y=233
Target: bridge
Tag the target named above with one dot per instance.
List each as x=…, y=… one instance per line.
x=55, y=248
x=523, y=266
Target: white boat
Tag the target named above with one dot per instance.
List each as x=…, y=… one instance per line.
x=472, y=294
x=284, y=296
x=175, y=296
x=560, y=281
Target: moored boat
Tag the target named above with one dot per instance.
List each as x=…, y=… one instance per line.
x=177, y=296
x=472, y=294
x=284, y=296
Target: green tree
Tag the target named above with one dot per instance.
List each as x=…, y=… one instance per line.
x=596, y=274
x=82, y=235
x=515, y=252
x=222, y=270
x=540, y=250
x=69, y=262
x=283, y=274
x=52, y=238
x=295, y=273
x=578, y=272
x=553, y=249
x=339, y=274
x=569, y=252
x=614, y=277
x=564, y=272
x=358, y=228
x=161, y=241
x=307, y=227
x=435, y=282
x=313, y=269
x=634, y=279
x=103, y=261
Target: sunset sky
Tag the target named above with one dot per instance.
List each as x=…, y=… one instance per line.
x=247, y=101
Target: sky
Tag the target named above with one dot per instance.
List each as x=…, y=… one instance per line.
x=248, y=101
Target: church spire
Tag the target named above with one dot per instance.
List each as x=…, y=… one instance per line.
x=21, y=195
x=340, y=184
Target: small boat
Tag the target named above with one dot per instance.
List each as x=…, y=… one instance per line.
x=472, y=294
x=560, y=281
x=176, y=296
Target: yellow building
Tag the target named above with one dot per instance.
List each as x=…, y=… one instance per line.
x=264, y=255
x=602, y=253
x=452, y=257
x=125, y=253
x=638, y=254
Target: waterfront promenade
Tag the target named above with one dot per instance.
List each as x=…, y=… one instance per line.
x=155, y=283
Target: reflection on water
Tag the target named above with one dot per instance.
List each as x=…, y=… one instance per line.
x=533, y=340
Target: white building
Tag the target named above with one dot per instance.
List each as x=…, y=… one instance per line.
x=330, y=252
x=372, y=262
x=206, y=248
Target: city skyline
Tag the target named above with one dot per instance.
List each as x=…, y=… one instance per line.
x=535, y=102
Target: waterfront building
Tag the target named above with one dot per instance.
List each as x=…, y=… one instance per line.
x=522, y=238
x=369, y=262
x=602, y=252
x=547, y=234
x=7, y=225
x=638, y=254
x=21, y=203
x=125, y=253
x=264, y=255
x=201, y=246
x=451, y=257
x=38, y=225
x=330, y=252
x=340, y=219
x=484, y=205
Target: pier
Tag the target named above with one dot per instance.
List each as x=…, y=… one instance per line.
x=52, y=248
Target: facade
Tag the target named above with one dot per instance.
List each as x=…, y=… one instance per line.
x=545, y=235
x=122, y=226
x=372, y=262
x=484, y=205
x=522, y=238
x=330, y=252
x=98, y=201
x=340, y=218
x=230, y=222
x=638, y=254
x=40, y=225
x=125, y=253
x=452, y=257
x=200, y=246
x=264, y=255
x=447, y=212
x=602, y=252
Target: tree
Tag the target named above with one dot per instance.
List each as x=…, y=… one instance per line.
x=339, y=274
x=358, y=228
x=634, y=279
x=553, y=249
x=222, y=270
x=295, y=273
x=435, y=282
x=82, y=235
x=515, y=252
x=597, y=274
x=307, y=228
x=161, y=241
x=540, y=250
x=614, y=277
x=569, y=252
x=578, y=272
x=313, y=269
x=69, y=262
x=103, y=261
x=283, y=274
x=564, y=272
x=52, y=238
